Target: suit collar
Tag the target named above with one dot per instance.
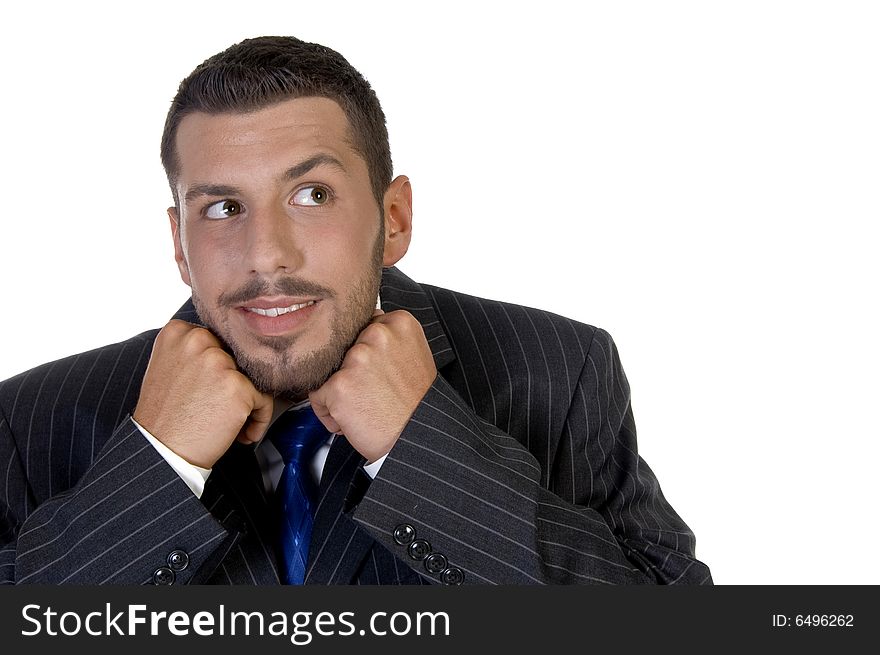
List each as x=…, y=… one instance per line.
x=400, y=292
x=187, y=312
x=397, y=291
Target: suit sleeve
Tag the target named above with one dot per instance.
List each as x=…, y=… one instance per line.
x=118, y=524
x=485, y=506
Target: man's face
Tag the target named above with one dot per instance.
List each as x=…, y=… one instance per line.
x=280, y=238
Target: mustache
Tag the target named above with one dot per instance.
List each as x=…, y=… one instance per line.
x=285, y=286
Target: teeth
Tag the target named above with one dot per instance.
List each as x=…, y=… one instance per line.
x=278, y=311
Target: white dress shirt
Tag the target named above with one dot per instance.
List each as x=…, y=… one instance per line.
x=268, y=457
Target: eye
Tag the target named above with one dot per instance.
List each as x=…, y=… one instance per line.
x=223, y=209
x=311, y=196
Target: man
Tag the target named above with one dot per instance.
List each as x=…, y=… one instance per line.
x=466, y=441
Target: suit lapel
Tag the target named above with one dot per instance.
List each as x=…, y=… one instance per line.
x=236, y=497
x=339, y=545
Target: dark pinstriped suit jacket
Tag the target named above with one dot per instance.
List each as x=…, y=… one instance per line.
x=519, y=466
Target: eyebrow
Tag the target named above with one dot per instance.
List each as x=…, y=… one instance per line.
x=198, y=190
x=304, y=167
x=292, y=173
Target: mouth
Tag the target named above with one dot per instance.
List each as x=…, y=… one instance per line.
x=279, y=311
x=278, y=316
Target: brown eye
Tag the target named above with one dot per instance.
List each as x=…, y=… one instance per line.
x=311, y=196
x=223, y=209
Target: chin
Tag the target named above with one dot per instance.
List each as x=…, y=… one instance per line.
x=289, y=375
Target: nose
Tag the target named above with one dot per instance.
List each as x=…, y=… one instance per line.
x=271, y=244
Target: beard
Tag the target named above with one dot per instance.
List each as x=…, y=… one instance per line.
x=289, y=374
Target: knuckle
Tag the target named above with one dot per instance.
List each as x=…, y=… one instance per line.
x=198, y=339
x=410, y=322
x=216, y=358
x=381, y=334
x=177, y=326
x=201, y=335
x=341, y=382
x=358, y=354
x=172, y=331
x=404, y=321
x=231, y=383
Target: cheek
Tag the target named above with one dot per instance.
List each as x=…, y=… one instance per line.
x=209, y=267
x=345, y=243
x=360, y=241
x=346, y=261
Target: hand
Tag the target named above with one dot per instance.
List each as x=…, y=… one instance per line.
x=193, y=398
x=383, y=377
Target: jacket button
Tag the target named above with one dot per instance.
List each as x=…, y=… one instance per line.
x=452, y=576
x=435, y=563
x=178, y=560
x=419, y=549
x=404, y=534
x=163, y=576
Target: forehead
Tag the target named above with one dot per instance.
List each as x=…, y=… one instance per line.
x=212, y=146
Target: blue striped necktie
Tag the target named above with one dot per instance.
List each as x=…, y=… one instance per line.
x=297, y=434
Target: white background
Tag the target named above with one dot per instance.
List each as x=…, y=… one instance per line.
x=699, y=178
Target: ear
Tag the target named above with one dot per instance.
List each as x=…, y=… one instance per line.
x=179, y=257
x=398, y=220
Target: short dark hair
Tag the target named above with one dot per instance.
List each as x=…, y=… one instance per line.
x=260, y=72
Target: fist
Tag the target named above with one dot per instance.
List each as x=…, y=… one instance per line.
x=383, y=377
x=194, y=399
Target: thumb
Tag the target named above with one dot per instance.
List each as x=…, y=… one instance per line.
x=260, y=418
x=318, y=399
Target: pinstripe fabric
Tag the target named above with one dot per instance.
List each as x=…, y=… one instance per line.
x=519, y=465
